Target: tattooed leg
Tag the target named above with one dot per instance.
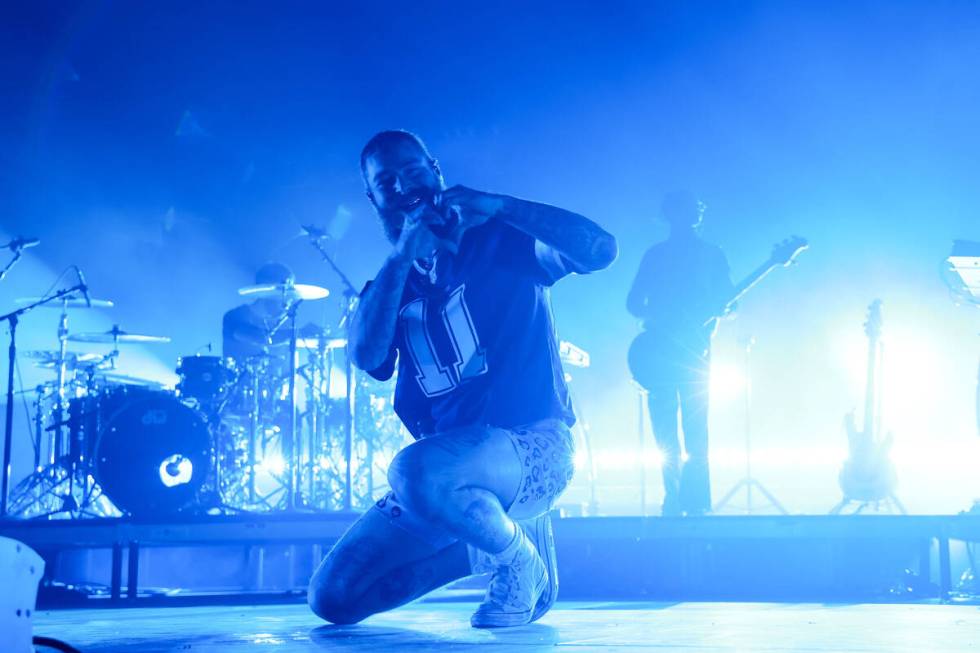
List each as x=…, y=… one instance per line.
x=377, y=566
x=462, y=481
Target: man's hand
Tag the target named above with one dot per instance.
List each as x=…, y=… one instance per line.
x=416, y=240
x=473, y=207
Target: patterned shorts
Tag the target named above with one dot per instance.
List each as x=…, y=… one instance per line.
x=547, y=453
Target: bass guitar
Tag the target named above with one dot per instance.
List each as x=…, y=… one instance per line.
x=868, y=475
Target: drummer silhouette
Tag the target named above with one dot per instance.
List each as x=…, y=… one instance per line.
x=251, y=329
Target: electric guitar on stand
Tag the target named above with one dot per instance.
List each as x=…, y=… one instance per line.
x=868, y=477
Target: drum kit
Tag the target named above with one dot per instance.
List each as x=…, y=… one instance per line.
x=257, y=433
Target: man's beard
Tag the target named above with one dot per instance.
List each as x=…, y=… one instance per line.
x=392, y=225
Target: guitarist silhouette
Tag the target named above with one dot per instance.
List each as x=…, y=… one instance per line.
x=681, y=283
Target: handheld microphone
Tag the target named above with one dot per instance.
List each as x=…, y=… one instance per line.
x=20, y=243
x=84, y=286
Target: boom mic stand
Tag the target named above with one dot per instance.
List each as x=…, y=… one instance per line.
x=7, y=268
x=12, y=319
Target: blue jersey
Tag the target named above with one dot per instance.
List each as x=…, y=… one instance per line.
x=477, y=346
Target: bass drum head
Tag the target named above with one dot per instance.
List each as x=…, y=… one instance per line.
x=153, y=452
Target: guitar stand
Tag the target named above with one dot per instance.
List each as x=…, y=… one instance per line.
x=749, y=483
x=889, y=504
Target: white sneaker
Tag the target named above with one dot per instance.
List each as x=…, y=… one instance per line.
x=542, y=536
x=514, y=589
x=540, y=533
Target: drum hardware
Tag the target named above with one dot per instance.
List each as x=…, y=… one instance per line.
x=116, y=336
x=17, y=246
x=152, y=453
x=233, y=425
x=287, y=292
x=12, y=319
x=71, y=301
x=351, y=296
x=70, y=481
x=115, y=378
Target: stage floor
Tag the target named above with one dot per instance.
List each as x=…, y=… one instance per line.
x=581, y=627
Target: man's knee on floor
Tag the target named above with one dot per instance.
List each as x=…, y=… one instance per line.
x=333, y=602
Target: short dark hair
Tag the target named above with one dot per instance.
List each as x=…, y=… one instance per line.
x=388, y=137
x=274, y=273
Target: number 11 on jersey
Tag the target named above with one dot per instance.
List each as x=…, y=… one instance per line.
x=435, y=378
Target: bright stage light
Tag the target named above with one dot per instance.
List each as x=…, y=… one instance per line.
x=727, y=382
x=338, y=384
x=272, y=463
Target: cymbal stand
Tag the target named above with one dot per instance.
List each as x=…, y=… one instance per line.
x=292, y=454
x=291, y=448
x=351, y=296
x=11, y=319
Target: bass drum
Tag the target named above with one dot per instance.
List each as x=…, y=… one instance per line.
x=153, y=453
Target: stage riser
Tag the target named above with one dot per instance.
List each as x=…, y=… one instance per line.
x=763, y=570
x=843, y=558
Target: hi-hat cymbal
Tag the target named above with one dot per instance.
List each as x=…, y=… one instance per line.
x=116, y=335
x=295, y=291
x=73, y=360
x=71, y=301
x=52, y=355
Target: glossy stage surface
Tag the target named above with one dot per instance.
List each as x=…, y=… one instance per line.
x=574, y=627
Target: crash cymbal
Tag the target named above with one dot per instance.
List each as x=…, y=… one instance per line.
x=302, y=291
x=115, y=335
x=71, y=301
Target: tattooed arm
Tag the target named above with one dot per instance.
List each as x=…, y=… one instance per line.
x=372, y=329
x=587, y=245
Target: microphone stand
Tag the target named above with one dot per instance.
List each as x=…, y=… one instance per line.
x=10, y=265
x=12, y=319
x=350, y=295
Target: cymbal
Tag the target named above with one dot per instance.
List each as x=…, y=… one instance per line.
x=51, y=356
x=73, y=360
x=127, y=379
x=116, y=335
x=315, y=343
x=295, y=291
x=71, y=301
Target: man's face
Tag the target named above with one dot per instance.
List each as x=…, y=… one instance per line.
x=399, y=178
x=682, y=211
